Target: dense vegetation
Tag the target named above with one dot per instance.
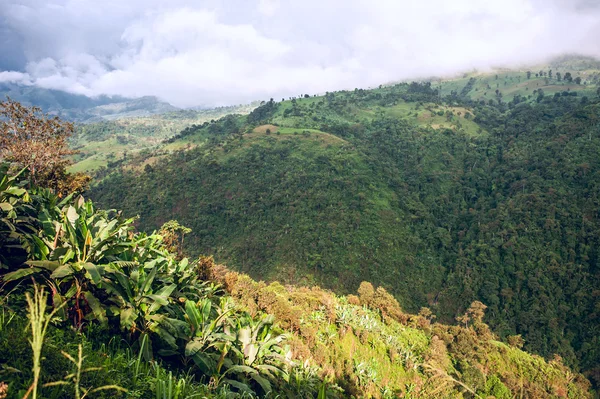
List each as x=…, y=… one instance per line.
x=126, y=317
x=438, y=197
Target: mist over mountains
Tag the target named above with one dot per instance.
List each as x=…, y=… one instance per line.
x=240, y=51
x=81, y=108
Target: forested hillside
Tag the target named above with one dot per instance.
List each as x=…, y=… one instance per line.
x=90, y=306
x=104, y=143
x=440, y=199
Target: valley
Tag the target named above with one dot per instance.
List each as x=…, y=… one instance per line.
x=441, y=198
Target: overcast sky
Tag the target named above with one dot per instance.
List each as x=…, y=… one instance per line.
x=195, y=52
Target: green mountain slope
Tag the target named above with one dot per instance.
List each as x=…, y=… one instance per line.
x=101, y=144
x=80, y=108
x=440, y=201
x=145, y=322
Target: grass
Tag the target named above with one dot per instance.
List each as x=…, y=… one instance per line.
x=38, y=322
x=515, y=82
x=69, y=359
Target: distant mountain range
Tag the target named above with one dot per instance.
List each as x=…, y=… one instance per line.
x=80, y=108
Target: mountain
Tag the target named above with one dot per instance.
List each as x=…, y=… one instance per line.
x=144, y=321
x=442, y=197
x=128, y=131
x=80, y=108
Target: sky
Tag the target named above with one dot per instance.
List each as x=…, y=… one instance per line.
x=211, y=52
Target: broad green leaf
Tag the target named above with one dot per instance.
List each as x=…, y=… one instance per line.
x=43, y=250
x=44, y=264
x=58, y=303
x=161, y=298
x=65, y=200
x=96, y=307
x=71, y=291
x=70, y=254
x=193, y=347
x=176, y=327
x=148, y=281
x=205, y=309
x=241, y=369
x=18, y=274
x=94, y=272
x=62, y=271
x=125, y=286
x=166, y=336
x=239, y=385
x=191, y=310
x=263, y=382
x=204, y=362
x=128, y=317
x=6, y=207
x=15, y=191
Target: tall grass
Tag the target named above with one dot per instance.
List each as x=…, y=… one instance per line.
x=38, y=321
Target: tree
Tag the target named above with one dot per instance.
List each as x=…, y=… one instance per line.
x=476, y=311
x=558, y=76
x=550, y=73
x=540, y=96
x=568, y=77
x=33, y=140
x=173, y=234
x=578, y=80
x=528, y=74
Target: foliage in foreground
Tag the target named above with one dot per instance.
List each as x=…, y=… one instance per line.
x=107, y=280
x=101, y=272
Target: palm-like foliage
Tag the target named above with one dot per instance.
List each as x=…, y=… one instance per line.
x=100, y=270
x=16, y=220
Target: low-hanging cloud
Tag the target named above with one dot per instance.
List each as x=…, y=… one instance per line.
x=215, y=53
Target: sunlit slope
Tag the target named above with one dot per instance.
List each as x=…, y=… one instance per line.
x=106, y=143
x=441, y=200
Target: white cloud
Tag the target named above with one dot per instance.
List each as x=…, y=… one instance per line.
x=268, y=7
x=211, y=53
x=15, y=77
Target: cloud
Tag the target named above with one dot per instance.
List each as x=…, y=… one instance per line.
x=216, y=53
x=15, y=77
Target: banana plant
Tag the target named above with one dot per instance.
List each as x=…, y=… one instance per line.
x=210, y=333
x=262, y=358
x=17, y=221
x=77, y=247
x=139, y=298
x=184, y=274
